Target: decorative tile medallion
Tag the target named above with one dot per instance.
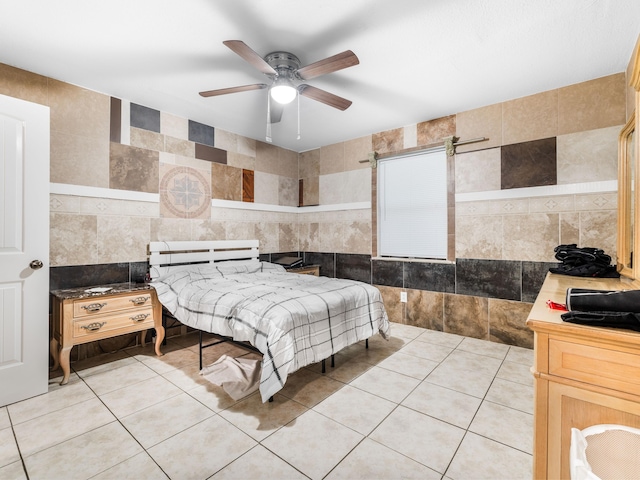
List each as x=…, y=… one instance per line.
x=184, y=193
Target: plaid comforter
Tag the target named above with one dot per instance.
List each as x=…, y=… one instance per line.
x=294, y=320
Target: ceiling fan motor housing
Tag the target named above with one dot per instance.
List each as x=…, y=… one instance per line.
x=285, y=63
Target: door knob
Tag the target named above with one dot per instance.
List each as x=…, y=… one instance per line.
x=36, y=264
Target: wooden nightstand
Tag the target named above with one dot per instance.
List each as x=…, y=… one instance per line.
x=82, y=315
x=306, y=270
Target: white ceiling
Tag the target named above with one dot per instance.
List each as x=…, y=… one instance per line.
x=419, y=59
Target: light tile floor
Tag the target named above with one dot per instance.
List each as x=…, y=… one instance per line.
x=424, y=405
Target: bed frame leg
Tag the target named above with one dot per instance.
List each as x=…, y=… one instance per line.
x=366, y=343
x=323, y=366
x=271, y=398
x=333, y=361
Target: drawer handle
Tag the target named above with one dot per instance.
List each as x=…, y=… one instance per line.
x=140, y=317
x=139, y=300
x=94, y=307
x=93, y=327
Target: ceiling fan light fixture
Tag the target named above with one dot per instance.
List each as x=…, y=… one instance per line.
x=283, y=93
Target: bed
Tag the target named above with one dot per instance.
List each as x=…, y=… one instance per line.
x=293, y=320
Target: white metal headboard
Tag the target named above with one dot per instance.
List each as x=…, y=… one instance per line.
x=163, y=255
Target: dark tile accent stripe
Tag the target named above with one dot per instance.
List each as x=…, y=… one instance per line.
x=327, y=262
x=115, y=120
x=533, y=275
x=529, y=164
x=300, y=192
x=353, y=266
x=145, y=117
x=201, y=133
x=436, y=277
x=211, y=154
x=248, y=182
x=88, y=275
x=489, y=278
x=387, y=272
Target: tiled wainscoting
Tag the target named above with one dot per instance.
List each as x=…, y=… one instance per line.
x=485, y=299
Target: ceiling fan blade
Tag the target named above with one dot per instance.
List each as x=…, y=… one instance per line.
x=224, y=91
x=328, y=65
x=276, y=112
x=243, y=50
x=324, y=97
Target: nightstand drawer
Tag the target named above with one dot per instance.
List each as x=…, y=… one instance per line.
x=130, y=321
x=101, y=305
x=597, y=366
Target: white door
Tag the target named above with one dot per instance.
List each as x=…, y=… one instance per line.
x=24, y=249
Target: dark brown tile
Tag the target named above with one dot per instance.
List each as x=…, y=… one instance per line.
x=433, y=131
x=466, y=315
x=507, y=323
x=425, y=309
x=132, y=168
x=392, y=304
x=115, y=128
x=389, y=141
x=247, y=185
x=529, y=164
x=211, y=154
x=301, y=192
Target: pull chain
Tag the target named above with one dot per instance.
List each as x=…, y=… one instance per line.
x=298, y=95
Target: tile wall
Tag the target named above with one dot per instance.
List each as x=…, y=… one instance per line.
x=505, y=225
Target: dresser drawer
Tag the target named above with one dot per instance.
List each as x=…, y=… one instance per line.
x=131, y=321
x=101, y=305
x=595, y=365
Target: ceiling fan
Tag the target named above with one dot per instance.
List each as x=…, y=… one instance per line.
x=287, y=78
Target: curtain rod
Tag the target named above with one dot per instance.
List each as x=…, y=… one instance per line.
x=432, y=146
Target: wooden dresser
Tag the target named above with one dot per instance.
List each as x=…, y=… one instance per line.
x=86, y=314
x=583, y=375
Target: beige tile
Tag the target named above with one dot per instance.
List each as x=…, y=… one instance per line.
x=13, y=471
x=410, y=365
x=440, y=338
x=516, y=372
x=598, y=103
x=117, y=378
x=4, y=418
x=174, y=126
x=226, y=140
x=22, y=84
x=505, y=425
x=479, y=457
x=531, y=237
x=212, y=396
x=308, y=433
x=78, y=111
x=165, y=419
x=309, y=163
x=407, y=432
x=557, y=203
x=259, y=464
x=202, y=450
x=425, y=309
x=100, y=449
x=390, y=297
x=8, y=449
x=407, y=332
x=239, y=160
x=597, y=229
x=246, y=146
x=114, y=247
x=461, y=380
x=31, y=408
x=147, y=139
x=444, y=404
x=466, y=315
x=372, y=460
x=187, y=378
x=169, y=229
x=589, y=156
x=523, y=356
x=480, y=122
x=387, y=384
x=209, y=230
x=259, y=420
x=388, y=141
x=478, y=171
x=357, y=185
x=479, y=237
x=428, y=351
x=357, y=238
x=483, y=347
x=512, y=395
x=102, y=363
x=266, y=188
x=288, y=191
x=481, y=364
x=288, y=163
x=331, y=159
x=171, y=360
x=178, y=146
x=226, y=182
x=434, y=131
x=134, y=398
x=311, y=191
x=356, y=150
x=79, y=160
x=56, y=427
x=596, y=201
x=267, y=158
x=570, y=228
x=346, y=408
x=332, y=189
x=73, y=239
x=530, y=118
x=134, y=468
x=309, y=388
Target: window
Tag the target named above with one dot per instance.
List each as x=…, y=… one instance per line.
x=412, y=205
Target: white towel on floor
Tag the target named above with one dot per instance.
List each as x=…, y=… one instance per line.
x=237, y=376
